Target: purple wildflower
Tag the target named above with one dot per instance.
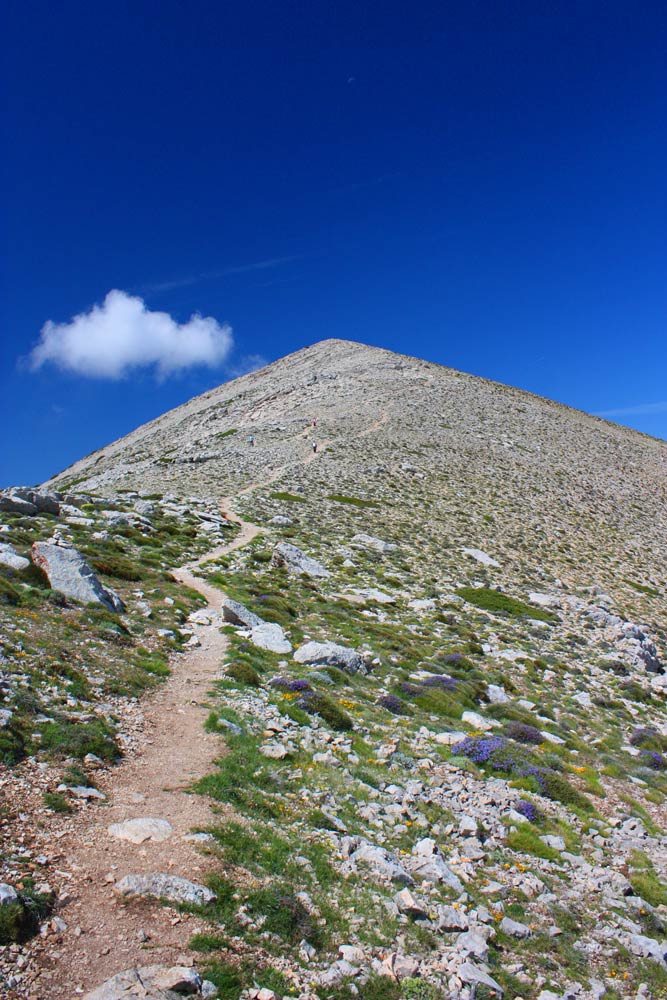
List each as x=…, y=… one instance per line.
x=441, y=681
x=285, y=684
x=529, y=810
x=394, y=704
x=522, y=732
x=654, y=759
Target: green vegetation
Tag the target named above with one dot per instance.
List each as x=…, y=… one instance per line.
x=643, y=588
x=352, y=501
x=76, y=739
x=501, y=604
x=57, y=802
x=287, y=497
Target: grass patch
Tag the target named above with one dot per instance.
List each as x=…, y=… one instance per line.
x=288, y=497
x=502, y=604
x=76, y=739
x=57, y=802
x=352, y=501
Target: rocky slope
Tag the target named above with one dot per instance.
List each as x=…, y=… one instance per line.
x=443, y=703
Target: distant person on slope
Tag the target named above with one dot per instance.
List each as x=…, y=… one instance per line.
x=251, y=440
x=314, y=447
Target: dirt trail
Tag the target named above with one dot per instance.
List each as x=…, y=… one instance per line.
x=104, y=936
x=175, y=752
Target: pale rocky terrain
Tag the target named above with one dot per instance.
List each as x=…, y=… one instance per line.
x=429, y=659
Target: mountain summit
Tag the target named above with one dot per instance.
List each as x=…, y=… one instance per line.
x=459, y=456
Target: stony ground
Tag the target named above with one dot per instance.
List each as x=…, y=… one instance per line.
x=470, y=797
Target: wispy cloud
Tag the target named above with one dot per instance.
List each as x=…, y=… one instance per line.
x=122, y=335
x=194, y=279
x=641, y=409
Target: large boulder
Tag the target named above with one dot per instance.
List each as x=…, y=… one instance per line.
x=24, y=500
x=270, y=636
x=150, y=982
x=237, y=614
x=10, y=557
x=330, y=654
x=10, y=504
x=296, y=561
x=69, y=573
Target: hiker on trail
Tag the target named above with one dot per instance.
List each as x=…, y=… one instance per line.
x=314, y=421
x=251, y=440
x=314, y=447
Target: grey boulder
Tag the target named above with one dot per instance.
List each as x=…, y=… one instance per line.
x=371, y=542
x=330, y=654
x=296, y=561
x=270, y=636
x=151, y=982
x=382, y=862
x=237, y=614
x=24, y=500
x=157, y=885
x=427, y=864
x=138, y=831
x=69, y=573
x=9, y=557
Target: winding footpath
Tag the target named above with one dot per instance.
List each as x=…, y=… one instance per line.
x=103, y=935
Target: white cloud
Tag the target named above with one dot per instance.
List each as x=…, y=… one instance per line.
x=111, y=340
x=640, y=409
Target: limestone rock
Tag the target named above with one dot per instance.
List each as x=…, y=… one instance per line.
x=150, y=982
x=69, y=573
x=382, y=862
x=157, y=885
x=473, y=976
x=10, y=557
x=481, y=557
x=514, y=928
x=370, y=542
x=7, y=894
x=238, y=614
x=427, y=864
x=139, y=830
x=330, y=654
x=296, y=561
x=270, y=636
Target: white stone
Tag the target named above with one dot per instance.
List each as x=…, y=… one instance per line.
x=481, y=557
x=137, y=831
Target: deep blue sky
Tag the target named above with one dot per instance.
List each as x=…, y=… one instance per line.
x=480, y=184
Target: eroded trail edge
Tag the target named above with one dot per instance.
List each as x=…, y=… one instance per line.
x=105, y=936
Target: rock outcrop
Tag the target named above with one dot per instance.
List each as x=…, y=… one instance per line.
x=69, y=573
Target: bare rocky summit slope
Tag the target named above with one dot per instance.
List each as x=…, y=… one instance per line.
x=435, y=765
x=450, y=449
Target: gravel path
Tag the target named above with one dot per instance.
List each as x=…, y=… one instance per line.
x=104, y=935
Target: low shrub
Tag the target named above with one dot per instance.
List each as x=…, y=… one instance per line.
x=316, y=703
x=394, y=704
x=243, y=673
x=118, y=567
x=523, y=733
x=76, y=739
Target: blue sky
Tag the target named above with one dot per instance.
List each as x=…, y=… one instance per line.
x=480, y=184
